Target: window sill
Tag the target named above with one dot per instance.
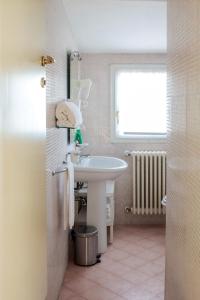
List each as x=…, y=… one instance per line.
x=151, y=139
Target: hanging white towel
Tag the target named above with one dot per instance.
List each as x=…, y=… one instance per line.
x=81, y=89
x=68, y=115
x=69, y=211
x=85, y=87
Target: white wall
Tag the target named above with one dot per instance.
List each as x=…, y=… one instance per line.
x=59, y=41
x=98, y=124
x=183, y=206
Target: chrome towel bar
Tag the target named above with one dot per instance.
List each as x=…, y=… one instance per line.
x=59, y=171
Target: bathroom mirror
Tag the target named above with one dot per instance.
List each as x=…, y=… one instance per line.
x=69, y=139
x=73, y=74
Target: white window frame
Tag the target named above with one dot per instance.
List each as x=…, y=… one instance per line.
x=154, y=138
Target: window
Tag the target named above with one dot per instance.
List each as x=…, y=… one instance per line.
x=139, y=101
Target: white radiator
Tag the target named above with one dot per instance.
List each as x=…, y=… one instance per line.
x=149, y=182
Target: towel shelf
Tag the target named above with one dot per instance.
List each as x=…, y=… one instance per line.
x=65, y=127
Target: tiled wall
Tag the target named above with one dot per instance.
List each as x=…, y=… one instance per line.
x=59, y=40
x=98, y=125
x=183, y=207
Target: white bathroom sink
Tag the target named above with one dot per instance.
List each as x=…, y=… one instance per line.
x=94, y=168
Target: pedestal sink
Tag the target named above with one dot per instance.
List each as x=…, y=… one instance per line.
x=96, y=170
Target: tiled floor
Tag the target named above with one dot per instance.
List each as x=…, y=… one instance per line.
x=132, y=269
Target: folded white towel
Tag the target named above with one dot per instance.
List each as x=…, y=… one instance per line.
x=69, y=211
x=68, y=115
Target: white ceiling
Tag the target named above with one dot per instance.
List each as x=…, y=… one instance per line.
x=118, y=26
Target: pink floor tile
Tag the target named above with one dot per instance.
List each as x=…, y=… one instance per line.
x=104, y=281
x=131, y=238
x=160, y=261
x=71, y=275
x=152, y=268
x=105, y=261
x=132, y=268
x=120, y=244
x=118, y=268
x=94, y=274
x=79, y=285
x=77, y=298
x=159, y=249
x=133, y=261
x=135, y=276
x=133, y=249
x=149, y=255
x=98, y=293
x=159, y=296
x=116, y=284
x=116, y=254
x=66, y=294
x=155, y=285
x=146, y=243
x=138, y=294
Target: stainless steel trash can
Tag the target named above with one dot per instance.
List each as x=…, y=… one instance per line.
x=86, y=245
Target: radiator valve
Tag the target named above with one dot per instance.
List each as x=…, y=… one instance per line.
x=128, y=210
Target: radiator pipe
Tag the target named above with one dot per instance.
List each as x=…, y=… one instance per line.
x=127, y=153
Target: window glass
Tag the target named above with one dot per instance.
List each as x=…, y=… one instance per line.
x=140, y=101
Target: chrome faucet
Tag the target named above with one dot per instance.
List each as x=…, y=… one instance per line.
x=84, y=155
x=76, y=153
x=81, y=146
x=66, y=157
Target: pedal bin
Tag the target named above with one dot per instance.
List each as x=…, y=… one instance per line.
x=86, y=245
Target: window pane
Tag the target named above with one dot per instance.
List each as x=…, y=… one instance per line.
x=141, y=102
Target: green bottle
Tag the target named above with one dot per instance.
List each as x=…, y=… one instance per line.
x=78, y=138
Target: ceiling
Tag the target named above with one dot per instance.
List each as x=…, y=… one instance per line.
x=118, y=26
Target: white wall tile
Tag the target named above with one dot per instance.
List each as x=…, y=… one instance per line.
x=59, y=40
x=183, y=205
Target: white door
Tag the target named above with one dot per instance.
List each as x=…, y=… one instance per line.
x=22, y=151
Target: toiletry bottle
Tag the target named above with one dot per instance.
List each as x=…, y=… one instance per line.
x=78, y=138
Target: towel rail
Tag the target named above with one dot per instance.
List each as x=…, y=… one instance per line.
x=59, y=171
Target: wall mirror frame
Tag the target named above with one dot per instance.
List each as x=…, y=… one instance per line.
x=73, y=74
x=69, y=138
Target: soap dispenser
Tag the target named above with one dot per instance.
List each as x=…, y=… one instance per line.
x=78, y=138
